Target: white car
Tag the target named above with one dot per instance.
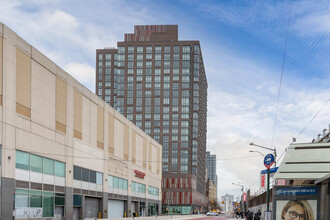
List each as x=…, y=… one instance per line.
x=212, y=213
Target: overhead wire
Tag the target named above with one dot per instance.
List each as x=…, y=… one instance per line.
x=112, y=157
x=314, y=117
x=282, y=70
x=317, y=113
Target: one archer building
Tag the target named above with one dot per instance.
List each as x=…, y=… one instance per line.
x=159, y=83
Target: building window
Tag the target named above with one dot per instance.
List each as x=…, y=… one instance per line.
x=167, y=63
x=107, y=99
x=138, y=187
x=166, y=101
x=176, y=49
x=107, y=63
x=157, y=71
x=121, y=49
x=184, y=169
x=165, y=168
x=108, y=56
x=130, y=49
x=148, y=49
x=139, y=49
x=186, y=56
x=148, y=56
x=167, y=56
x=167, y=49
x=39, y=164
x=185, y=78
x=118, y=183
x=139, y=57
x=185, y=49
x=158, y=49
x=148, y=64
x=22, y=160
x=158, y=56
x=153, y=191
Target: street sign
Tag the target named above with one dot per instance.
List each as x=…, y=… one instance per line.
x=269, y=160
x=271, y=170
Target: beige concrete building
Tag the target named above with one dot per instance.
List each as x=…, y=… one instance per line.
x=65, y=153
x=212, y=195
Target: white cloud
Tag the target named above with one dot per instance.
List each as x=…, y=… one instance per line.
x=84, y=73
x=241, y=109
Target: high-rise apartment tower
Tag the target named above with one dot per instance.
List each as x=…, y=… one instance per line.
x=159, y=83
x=211, y=165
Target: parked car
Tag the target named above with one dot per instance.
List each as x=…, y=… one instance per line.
x=212, y=213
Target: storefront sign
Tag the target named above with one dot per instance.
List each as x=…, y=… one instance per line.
x=263, y=181
x=139, y=174
x=298, y=191
x=244, y=197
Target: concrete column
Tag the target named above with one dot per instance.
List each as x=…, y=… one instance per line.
x=324, y=212
x=137, y=208
x=159, y=207
x=128, y=207
x=147, y=207
x=7, y=197
x=83, y=204
x=68, y=203
x=105, y=205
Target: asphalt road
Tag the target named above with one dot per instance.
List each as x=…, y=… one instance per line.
x=220, y=217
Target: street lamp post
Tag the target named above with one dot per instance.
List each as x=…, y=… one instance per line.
x=268, y=170
x=242, y=189
x=247, y=198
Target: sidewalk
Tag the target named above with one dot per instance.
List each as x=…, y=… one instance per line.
x=163, y=217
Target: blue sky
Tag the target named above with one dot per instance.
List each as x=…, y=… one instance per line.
x=242, y=44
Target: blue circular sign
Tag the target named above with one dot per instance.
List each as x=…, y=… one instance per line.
x=269, y=160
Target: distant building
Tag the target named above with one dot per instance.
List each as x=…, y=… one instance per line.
x=159, y=83
x=211, y=166
x=227, y=203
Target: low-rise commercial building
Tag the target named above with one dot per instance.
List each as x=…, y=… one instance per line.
x=212, y=195
x=65, y=153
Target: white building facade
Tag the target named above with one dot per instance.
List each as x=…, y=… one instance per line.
x=65, y=153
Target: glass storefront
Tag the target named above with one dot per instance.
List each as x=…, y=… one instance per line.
x=152, y=209
x=142, y=209
x=37, y=204
x=178, y=210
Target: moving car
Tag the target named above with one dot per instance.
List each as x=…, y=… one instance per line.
x=212, y=213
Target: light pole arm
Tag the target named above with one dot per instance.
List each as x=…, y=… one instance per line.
x=262, y=147
x=267, y=148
